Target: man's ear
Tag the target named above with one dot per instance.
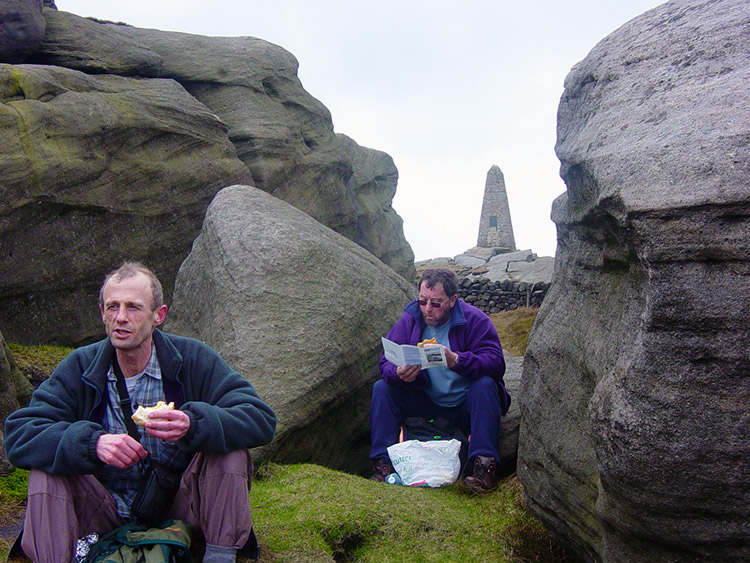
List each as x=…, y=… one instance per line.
x=161, y=314
x=454, y=298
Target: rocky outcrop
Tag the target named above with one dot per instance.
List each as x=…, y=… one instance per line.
x=115, y=139
x=376, y=224
x=511, y=422
x=21, y=29
x=92, y=47
x=634, y=442
x=97, y=169
x=285, y=136
x=496, y=265
x=15, y=391
x=299, y=310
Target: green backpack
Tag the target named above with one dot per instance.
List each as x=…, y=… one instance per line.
x=137, y=543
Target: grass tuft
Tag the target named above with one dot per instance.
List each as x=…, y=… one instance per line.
x=13, y=486
x=513, y=328
x=12, y=506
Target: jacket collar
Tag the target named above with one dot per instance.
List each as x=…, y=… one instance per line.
x=96, y=373
x=170, y=359
x=458, y=317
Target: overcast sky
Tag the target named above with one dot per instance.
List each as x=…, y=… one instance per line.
x=446, y=88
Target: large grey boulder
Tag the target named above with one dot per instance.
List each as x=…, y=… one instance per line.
x=521, y=265
x=484, y=253
x=15, y=391
x=97, y=169
x=371, y=187
x=511, y=422
x=469, y=261
x=21, y=29
x=298, y=310
x=282, y=133
x=634, y=440
x=82, y=44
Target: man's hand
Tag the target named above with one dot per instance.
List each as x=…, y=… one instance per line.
x=168, y=425
x=450, y=357
x=408, y=373
x=119, y=450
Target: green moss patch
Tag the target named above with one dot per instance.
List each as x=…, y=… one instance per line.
x=311, y=513
x=37, y=362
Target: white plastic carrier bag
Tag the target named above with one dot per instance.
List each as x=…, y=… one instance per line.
x=428, y=464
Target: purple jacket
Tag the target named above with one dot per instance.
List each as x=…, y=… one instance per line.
x=472, y=336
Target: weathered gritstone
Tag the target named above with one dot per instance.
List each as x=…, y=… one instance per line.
x=634, y=443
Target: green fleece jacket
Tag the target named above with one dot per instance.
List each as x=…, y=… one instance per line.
x=58, y=431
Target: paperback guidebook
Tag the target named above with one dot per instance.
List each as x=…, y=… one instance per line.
x=406, y=355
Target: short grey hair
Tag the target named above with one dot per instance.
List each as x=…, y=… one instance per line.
x=130, y=269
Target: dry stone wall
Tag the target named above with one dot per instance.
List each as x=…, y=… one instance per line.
x=501, y=295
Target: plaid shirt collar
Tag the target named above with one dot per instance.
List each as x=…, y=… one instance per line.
x=152, y=369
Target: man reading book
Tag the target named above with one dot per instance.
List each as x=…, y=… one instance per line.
x=469, y=392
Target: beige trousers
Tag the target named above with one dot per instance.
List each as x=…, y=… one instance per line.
x=213, y=499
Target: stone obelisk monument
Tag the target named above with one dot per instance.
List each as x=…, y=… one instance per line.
x=495, y=228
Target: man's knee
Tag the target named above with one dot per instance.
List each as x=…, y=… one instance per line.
x=63, y=486
x=41, y=482
x=237, y=461
x=484, y=384
x=382, y=395
x=380, y=388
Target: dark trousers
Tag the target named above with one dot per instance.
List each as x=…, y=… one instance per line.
x=478, y=416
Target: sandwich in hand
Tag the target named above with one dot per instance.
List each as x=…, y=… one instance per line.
x=140, y=416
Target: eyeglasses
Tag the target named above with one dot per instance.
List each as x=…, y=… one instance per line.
x=435, y=304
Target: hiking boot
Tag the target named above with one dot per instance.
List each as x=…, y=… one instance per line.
x=483, y=479
x=381, y=468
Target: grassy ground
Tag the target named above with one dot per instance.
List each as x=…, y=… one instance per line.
x=12, y=508
x=513, y=328
x=308, y=513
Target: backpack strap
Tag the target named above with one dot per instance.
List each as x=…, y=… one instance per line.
x=125, y=403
